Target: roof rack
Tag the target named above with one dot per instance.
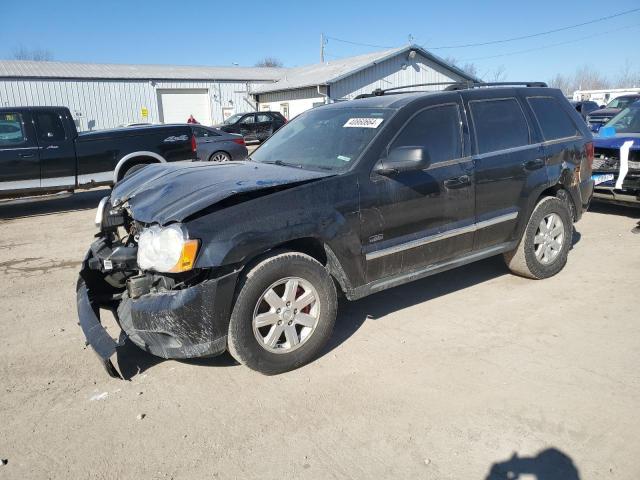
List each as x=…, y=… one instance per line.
x=450, y=86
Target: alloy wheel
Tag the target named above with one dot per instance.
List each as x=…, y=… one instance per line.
x=549, y=239
x=286, y=315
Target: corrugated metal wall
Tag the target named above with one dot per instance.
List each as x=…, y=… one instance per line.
x=299, y=94
x=395, y=72
x=99, y=104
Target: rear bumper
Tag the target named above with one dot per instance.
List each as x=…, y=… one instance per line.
x=186, y=323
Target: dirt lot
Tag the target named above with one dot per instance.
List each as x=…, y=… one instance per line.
x=439, y=379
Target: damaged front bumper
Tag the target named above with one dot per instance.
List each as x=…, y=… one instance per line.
x=187, y=322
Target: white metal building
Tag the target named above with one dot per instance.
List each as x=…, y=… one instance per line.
x=105, y=96
x=301, y=88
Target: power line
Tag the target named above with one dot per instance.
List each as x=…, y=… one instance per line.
x=552, y=45
x=360, y=44
x=555, y=30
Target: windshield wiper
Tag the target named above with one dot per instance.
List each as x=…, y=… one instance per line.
x=280, y=163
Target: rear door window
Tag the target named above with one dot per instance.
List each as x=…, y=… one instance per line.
x=11, y=130
x=554, y=122
x=203, y=133
x=499, y=124
x=437, y=129
x=49, y=127
x=263, y=117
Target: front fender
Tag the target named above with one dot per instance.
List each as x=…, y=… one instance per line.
x=324, y=211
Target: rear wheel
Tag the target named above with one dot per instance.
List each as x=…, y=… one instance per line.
x=220, y=157
x=283, y=315
x=132, y=169
x=545, y=243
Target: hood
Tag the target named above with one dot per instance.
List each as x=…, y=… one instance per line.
x=617, y=141
x=170, y=192
x=608, y=112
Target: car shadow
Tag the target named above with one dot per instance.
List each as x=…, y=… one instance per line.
x=132, y=360
x=549, y=464
x=352, y=315
x=50, y=204
x=611, y=209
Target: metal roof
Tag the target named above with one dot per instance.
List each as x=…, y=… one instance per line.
x=335, y=70
x=30, y=69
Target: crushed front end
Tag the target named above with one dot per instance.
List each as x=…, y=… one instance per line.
x=616, y=171
x=178, y=313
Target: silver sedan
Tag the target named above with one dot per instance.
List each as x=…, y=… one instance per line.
x=217, y=146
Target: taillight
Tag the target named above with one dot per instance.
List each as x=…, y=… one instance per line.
x=239, y=141
x=194, y=145
x=590, y=152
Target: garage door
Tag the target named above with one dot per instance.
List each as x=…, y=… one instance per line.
x=177, y=105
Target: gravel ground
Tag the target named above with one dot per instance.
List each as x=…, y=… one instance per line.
x=442, y=378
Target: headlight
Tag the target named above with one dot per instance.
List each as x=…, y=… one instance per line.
x=166, y=249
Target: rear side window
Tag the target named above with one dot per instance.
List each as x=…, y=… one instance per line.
x=49, y=127
x=553, y=120
x=437, y=129
x=11, y=130
x=499, y=124
x=203, y=133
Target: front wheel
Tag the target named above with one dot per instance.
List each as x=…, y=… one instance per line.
x=283, y=315
x=545, y=243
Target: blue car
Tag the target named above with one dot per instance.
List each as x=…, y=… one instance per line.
x=616, y=166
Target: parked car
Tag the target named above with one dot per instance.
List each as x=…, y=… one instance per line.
x=254, y=125
x=616, y=167
x=584, y=107
x=217, y=146
x=598, y=118
x=42, y=152
x=358, y=196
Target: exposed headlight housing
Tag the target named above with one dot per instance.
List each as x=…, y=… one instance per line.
x=166, y=249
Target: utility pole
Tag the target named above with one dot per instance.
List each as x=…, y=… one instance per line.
x=322, y=48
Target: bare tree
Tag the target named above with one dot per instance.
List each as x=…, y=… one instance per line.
x=627, y=77
x=269, y=62
x=36, y=54
x=562, y=82
x=498, y=74
x=468, y=68
x=588, y=78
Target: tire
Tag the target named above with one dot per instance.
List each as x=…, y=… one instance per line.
x=133, y=169
x=537, y=255
x=219, y=157
x=248, y=342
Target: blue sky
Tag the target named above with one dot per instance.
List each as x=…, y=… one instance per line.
x=223, y=33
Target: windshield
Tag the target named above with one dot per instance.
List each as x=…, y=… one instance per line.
x=323, y=138
x=622, y=102
x=233, y=119
x=627, y=121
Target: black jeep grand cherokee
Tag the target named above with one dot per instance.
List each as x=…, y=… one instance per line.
x=357, y=196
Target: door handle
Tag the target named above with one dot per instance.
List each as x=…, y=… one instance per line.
x=52, y=147
x=534, y=164
x=26, y=155
x=457, y=182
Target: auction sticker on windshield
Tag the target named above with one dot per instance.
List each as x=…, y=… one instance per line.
x=363, y=123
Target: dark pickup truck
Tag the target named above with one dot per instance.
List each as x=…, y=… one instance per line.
x=42, y=152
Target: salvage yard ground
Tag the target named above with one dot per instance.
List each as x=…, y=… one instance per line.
x=442, y=378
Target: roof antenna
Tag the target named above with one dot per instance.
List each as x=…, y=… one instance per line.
x=411, y=39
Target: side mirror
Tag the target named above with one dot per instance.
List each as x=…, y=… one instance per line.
x=403, y=159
